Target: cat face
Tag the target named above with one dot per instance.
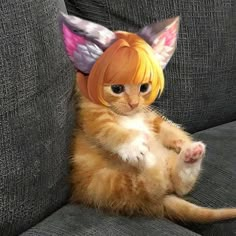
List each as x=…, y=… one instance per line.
x=127, y=99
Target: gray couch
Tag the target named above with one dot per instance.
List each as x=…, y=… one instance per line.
x=37, y=118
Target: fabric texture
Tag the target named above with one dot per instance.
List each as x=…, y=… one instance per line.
x=216, y=188
x=74, y=220
x=217, y=185
x=36, y=113
x=200, y=87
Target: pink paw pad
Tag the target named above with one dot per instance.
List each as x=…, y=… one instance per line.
x=194, y=152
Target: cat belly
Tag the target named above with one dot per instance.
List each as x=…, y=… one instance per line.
x=158, y=153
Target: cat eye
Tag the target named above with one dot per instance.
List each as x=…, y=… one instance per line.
x=118, y=88
x=145, y=88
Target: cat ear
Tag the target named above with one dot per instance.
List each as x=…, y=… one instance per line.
x=162, y=36
x=84, y=41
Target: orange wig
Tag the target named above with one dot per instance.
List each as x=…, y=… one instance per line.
x=129, y=60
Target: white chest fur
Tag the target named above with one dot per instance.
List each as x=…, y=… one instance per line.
x=136, y=122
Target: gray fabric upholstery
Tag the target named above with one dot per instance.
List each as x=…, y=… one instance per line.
x=36, y=114
x=74, y=220
x=216, y=188
x=200, y=78
x=36, y=80
x=217, y=185
x=219, y=167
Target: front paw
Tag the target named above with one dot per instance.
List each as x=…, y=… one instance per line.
x=134, y=151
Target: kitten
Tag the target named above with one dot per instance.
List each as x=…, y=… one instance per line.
x=126, y=158
x=129, y=160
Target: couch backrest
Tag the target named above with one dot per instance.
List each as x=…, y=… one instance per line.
x=36, y=114
x=201, y=77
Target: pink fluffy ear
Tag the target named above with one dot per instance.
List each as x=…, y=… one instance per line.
x=162, y=36
x=84, y=41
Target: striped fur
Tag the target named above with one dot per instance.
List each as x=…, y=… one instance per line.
x=151, y=185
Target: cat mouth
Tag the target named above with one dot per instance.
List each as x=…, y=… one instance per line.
x=125, y=112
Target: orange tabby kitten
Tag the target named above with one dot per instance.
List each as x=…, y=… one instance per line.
x=129, y=160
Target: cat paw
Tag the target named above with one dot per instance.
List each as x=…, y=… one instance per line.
x=193, y=152
x=134, y=151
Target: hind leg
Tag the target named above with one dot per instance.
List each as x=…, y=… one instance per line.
x=185, y=167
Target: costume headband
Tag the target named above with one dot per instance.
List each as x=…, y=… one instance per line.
x=85, y=41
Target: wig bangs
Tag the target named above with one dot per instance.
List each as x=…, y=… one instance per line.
x=128, y=66
x=156, y=78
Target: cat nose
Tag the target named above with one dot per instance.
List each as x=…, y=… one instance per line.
x=133, y=104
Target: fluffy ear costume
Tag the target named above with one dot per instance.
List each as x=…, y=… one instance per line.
x=105, y=57
x=162, y=36
x=84, y=41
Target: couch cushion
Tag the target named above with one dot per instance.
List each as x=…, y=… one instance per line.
x=200, y=78
x=217, y=185
x=77, y=220
x=36, y=114
x=216, y=188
